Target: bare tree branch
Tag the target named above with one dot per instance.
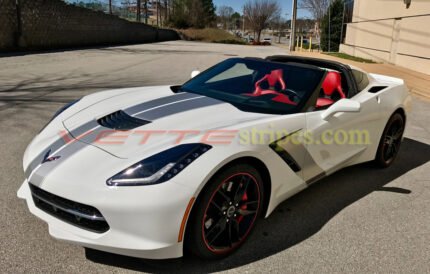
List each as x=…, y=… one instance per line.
x=259, y=13
x=316, y=7
x=225, y=13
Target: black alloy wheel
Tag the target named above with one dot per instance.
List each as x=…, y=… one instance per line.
x=226, y=212
x=390, y=141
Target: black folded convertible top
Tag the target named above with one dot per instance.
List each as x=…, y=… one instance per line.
x=343, y=68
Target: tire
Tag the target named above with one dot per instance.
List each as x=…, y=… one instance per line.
x=225, y=212
x=390, y=142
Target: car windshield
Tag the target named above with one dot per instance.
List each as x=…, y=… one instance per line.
x=256, y=85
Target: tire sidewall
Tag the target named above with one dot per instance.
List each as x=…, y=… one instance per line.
x=194, y=242
x=379, y=159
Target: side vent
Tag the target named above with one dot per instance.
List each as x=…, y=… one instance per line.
x=376, y=89
x=120, y=120
x=288, y=159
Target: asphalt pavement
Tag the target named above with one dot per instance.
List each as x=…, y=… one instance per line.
x=360, y=219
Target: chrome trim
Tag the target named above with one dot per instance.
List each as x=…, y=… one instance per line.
x=76, y=213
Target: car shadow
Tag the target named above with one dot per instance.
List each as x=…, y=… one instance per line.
x=294, y=220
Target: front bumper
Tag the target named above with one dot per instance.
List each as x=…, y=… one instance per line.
x=144, y=222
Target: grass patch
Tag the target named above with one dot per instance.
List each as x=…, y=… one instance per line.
x=210, y=35
x=350, y=57
x=307, y=46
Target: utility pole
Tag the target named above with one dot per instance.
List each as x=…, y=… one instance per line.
x=145, y=6
x=138, y=10
x=18, y=31
x=293, y=26
x=158, y=11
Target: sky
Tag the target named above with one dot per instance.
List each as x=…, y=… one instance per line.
x=285, y=5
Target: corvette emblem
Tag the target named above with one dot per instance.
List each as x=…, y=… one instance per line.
x=46, y=158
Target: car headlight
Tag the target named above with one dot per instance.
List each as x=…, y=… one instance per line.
x=160, y=167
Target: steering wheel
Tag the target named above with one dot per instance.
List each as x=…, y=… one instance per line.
x=293, y=95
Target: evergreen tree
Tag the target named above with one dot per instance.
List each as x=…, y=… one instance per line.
x=209, y=13
x=331, y=29
x=193, y=13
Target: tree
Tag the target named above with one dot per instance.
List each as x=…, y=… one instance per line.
x=225, y=13
x=209, y=14
x=279, y=24
x=317, y=8
x=192, y=13
x=259, y=13
x=236, y=18
x=331, y=27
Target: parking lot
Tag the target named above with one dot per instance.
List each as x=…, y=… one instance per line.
x=361, y=219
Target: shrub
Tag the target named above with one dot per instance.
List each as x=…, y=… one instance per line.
x=210, y=35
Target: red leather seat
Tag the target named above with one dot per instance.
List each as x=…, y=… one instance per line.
x=273, y=79
x=332, y=83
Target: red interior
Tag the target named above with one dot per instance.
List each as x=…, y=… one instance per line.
x=332, y=83
x=275, y=77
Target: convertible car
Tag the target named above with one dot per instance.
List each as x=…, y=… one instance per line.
x=155, y=172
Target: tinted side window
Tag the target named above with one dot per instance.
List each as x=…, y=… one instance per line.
x=361, y=79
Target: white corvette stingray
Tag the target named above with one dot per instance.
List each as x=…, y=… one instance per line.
x=151, y=172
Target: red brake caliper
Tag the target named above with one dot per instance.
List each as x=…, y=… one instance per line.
x=244, y=198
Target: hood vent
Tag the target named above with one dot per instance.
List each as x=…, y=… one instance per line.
x=120, y=120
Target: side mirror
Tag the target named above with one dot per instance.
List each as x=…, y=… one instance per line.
x=343, y=105
x=194, y=73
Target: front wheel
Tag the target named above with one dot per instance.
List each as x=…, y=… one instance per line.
x=225, y=212
x=390, y=141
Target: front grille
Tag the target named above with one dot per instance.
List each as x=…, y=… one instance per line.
x=120, y=120
x=80, y=215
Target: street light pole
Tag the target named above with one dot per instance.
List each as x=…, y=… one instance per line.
x=293, y=26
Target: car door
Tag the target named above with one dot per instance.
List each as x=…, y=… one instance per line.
x=343, y=138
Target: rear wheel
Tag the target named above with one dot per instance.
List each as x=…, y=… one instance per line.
x=390, y=141
x=225, y=212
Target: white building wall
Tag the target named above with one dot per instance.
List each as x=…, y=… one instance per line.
x=385, y=31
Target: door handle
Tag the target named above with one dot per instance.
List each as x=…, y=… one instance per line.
x=378, y=99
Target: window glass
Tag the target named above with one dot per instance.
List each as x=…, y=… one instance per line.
x=237, y=70
x=361, y=79
x=258, y=85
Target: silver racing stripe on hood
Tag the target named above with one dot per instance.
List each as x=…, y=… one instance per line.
x=151, y=110
x=55, y=147
x=161, y=101
x=88, y=133
x=177, y=107
x=42, y=170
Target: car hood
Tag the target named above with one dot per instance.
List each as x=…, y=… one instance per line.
x=166, y=118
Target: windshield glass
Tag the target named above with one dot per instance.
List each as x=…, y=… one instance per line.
x=258, y=85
